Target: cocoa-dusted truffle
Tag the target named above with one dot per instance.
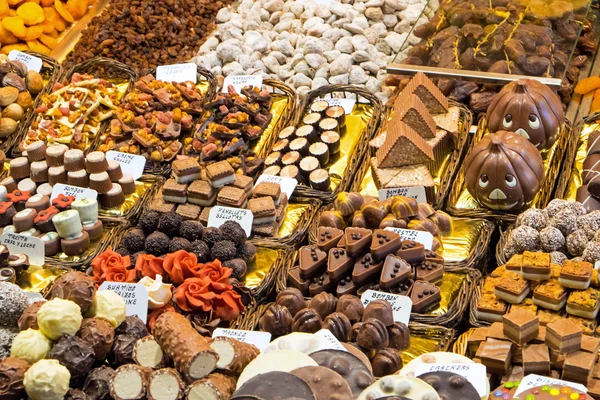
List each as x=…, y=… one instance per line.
x=211, y=236
x=339, y=325
x=525, y=238
x=276, y=320
x=134, y=240
x=77, y=287
x=76, y=394
x=324, y=303
x=74, y=353
x=233, y=231
x=201, y=250
x=386, y=362
x=223, y=250
x=373, y=334
x=157, y=244
x=577, y=242
x=399, y=336
x=292, y=299
x=99, y=334
x=179, y=243
x=351, y=306
x=551, y=239
x=12, y=371
x=591, y=253
x=122, y=350
x=556, y=257
x=247, y=252
x=191, y=230
x=381, y=310
x=97, y=383
x=12, y=303
x=169, y=223
x=556, y=205
x=565, y=220
x=133, y=326
x=307, y=320
x=534, y=217
x=29, y=317
x=149, y=221
x=238, y=267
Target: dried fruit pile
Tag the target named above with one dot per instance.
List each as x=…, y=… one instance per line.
x=588, y=85
x=36, y=25
x=145, y=33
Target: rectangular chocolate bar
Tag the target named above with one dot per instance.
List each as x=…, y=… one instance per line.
x=578, y=367
x=478, y=336
x=230, y=196
x=243, y=182
x=521, y=326
x=201, y=193
x=272, y=190
x=536, y=359
x=158, y=204
x=496, y=356
x=174, y=192
x=563, y=336
x=186, y=170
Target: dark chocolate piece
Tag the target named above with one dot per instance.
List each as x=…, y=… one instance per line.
x=399, y=336
x=274, y=386
x=97, y=383
x=380, y=310
x=12, y=372
x=350, y=367
x=75, y=354
x=134, y=326
x=307, y=320
x=450, y=386
x=122, y=350
x=292, y=299
x=99, y=334
x=386, y=362
x=351, y=306
x=324, y=303
x=339, y=325
x=373, y=334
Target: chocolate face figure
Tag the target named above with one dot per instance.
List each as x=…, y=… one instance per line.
x=503, y=171
x=530, y=109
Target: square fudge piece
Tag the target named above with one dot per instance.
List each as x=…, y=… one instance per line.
x=521, y=326
x=496, y=356
x=578, y=367
x=536, y=359
x=563, y=336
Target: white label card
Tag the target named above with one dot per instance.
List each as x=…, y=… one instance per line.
x=417, y=193
x=597, y=265
x=76, y=191
x=32, y=62
x=401, y=305
x=134, y=295
x=476, y=374
x=346, y=104
x=257, y=338
x=425, y=238
x=533, y=380
x=327, y=335
x=177, y=73
x=288, y=185
x=219, y=215
x=130, y=163
x=240, y=81
x=32, y=247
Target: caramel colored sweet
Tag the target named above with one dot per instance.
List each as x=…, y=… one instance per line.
x=339, y=325
x=292, y=299
x=381, y=310
x=386, y=362
x=399, y=336
x=29, y=317
x=324, y=303
x=373, y=334
x=12, y=370
x=351, y=306
x=75, y=286
x=99, y=334
x=307, y=320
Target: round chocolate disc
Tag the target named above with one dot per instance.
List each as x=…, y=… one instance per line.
x=450, y=386
x=274, y=386
x=325, y=383
x=350, y=367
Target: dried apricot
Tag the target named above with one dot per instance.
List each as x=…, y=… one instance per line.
x=48, y=41
x=51, y=14
x=19, y=46
x=6, y=37
x=31, y=13
x=4, y=8
x=47, y=3
x=62, y=10
x=587, y=85
x=33, y=32
x=36, y=46
x=15, y=25
x=47, y=25
x=77, y=8
x=14, y=2
x=595, y=106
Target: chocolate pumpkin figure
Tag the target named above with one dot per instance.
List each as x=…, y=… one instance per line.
x=529, y=108
x=503, y=171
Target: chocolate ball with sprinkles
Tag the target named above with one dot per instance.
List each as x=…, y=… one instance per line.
x=556, y=205
x=191, y=230
x=552, y=239
x=534, y=217
x=179, y=243
x=234, y=232
x=565, y=220
x=201, y=250
x=134, y=240
x=211, y=236
x=157, y=244
x=223, y=251
x=12, y=303
x=556, y=257
x=169, y=223
x=591, y=253
x=149, y=221
x=238, y=267
x=122, y=251
x=525, y=238
x=577, y=242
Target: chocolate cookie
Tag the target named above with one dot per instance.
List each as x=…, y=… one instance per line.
x=348, y=366
x=325, y=383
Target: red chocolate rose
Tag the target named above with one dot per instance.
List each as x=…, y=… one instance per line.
x=149, y=265
x=228, y=305
x=215, y=272
x=107, y=261
x=195, y=294
x=181, y=265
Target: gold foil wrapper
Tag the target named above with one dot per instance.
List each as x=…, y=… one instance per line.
x=258, y=270
x=293, y=215
x=36, y=279
x=451, y=285
x=279, y=107
x=575, y=179
x=130, y=201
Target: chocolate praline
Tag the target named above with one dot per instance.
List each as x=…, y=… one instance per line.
x=99, y=334
x=399, y=336
x=169, y=223
x=381, y=310
x=551, y=239
x=157, y=244
x=223, y=250
x=12, y=371
x=211, y=236
x=201, y=250
x=191, y=230
x=133, y=326
x=122, y=350
x=28, y=319
x=134, y=240
x=76, y=394
x=276, y=320
x=386, y=362
x=324, y=303
x=307, y=320
x=75, y=354
x=97, y=383
x=247, y=252
x=122, y=251
x=179, y=243
x=292, y=299
x=234, y=232
x=534, y=217
x=351, y=306
x=373, y=334
x=238, y=267
x=339, y=325
x=149, y=221
x=75, y=286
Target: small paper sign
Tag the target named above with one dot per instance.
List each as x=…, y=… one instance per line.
x=597, y=265
x=533, y=380
x=219, y=215
x=417, y=193
x=134, y=294
x=425, y=238
x=346, y=104
x=31, y=246
x=177, y=73
x=130, y=163
x=401, y=305
x=76, y=191
x=240, y=81
x=288, y=185
x=257, y=338
x=332, y=340
x=476, y=374
x=32, y=62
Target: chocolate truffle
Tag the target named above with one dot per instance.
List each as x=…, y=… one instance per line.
x=247, y=252
x=75, y=286
x=525, y=238
x=47, y=380
x=292, y=299
x=191, y=230
x=149, y=221
x=12, y=371
x=97, y=383
x=234, y=232
x=76, y=394
x=307, y=320
x=75, y=354
x=169, y=223
x=122, y=350
x=276, y=320
x=28, y=319
x=59, y=317
x=211, y=236
x=577, y=242
x=351, y=306
x=551, y=239
x=399, y=336
x=534, y=217
x=30, y=345
x=157, y=244
x=133, y=326
x=386, y=362
x=179, y=243
x=324, y=303
x=99, y=334
x=201, y=250
x=381, y=310
x=565, y=220
x=223, y=250
x=556, y=257
x=12, y=303
x=108, y=305
x=591, y=253
x=238, y=267
x=339, y=325
x=134, y=240
x=373, y=334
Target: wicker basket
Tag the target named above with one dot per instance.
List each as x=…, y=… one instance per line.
x=51, y=72
x=473, y=319
x=500, y=257
x=543, y=197
x=362, y=96
x=460, y=346
x=134, y=212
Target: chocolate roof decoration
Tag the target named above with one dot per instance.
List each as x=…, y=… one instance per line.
x=413, y=113
x=430, y=95
x=403, y=146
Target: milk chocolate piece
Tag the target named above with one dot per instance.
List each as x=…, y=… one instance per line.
x=99, y=334
x=346, y=286
x=100, y=182
x=563, y=336
x=8, y=274
x=36, y=151
x=9, y=183
x=7, y=212
x=591, y=167
x=75, y=354
x=429, y=271
x=578, y=367
x=311, y=261
x=297, y=281
x=19, y=168
x=55, y=154
x=51, y=243
x=386, y=362
x=96, y=162
x=12, y=372
x=320, y=180
x=282, y=385
x=127, y=183
x=351, y=306
x=593, y=143
x=350, y=367
x=357, y=240
x=307, y=320
x=292, y=299
x=380, y=310
x=38, y=202
x=325, y=383
x=520, y=326
x=383, y=243
x=57, y=175
x=536, y=359
x=114, y=197
x=39, y=171
x=373, y=334
x=324, y=303
x=276, y=320
x=321, y=284
x=450, y=385
x=366, y=269
x=114, y=170
x=23, y=220
x=339, y=263
x=395, y=270
x=74, y=160
x=424, y=295
x=75, y=286
x=399, y=336
x=590, y=202
x=496, y=355
x=339, y=325
x=75, y=246
x=412, y=252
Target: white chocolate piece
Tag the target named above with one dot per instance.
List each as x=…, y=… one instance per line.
x=44, y=189
x=108, y=305
x=159, y=293
x=30, y=345
x=27, y=185
x=306, y=343
x=28, y=232
x=47, y=380
x=394, y=385
x=59, y=317
x=67, y=224
x=9, y=229
x=87, y=209
x=278, y=360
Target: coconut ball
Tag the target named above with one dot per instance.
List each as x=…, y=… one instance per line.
x=591, y=253
x=558, y=258
x=534, y=217
x=7, y=335
x=555, y=206
x=525, y=238
x=577, y=242
x=59, y=317
x=551, y=239
x=12, y=303
x=565, y=220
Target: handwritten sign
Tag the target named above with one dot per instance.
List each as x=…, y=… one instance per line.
x=401, y=305
x=257, y=338
x=476, y=374
x=346, y=104
x=32, y=62
x=240, y=81
x=134, y=295
x=130, y=163
x=76, y=191
x=332, y=340
x=425, y=238
x=533, y=380
x=219, y=215
x=32, y=247
x=288, y=185
x=177, y=73
x=417, y=193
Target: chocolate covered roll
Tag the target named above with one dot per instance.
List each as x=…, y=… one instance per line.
x=114, y=170
x=311, y=119
x=320, y=151
x=57, y=175
x=39, y=171
x=127, y=184
x=308, y=132
x=76, y=245
x=332, y=140
x=55, y=154
x=100, y=182
x=281, y=145
x=319, y=107
x=274, y=158
x=39, y=202
x=7, y=212
x=36, y=151
x=337, y=113
x=19, y=168
x=290, y=158
x=308, y=165
x=23, y=220
x=288, y=133
x=78, y=178
x=74, y=160
x=27, y=185
x=94, y=229
x=114, y=197
x=68, y=224
x=319, y=179
x=87, y=209
x=9, y=183
x=51, y=243
x=329, y=124
x=95, y=162
x=43, y=220
x=44, y=189
x=272, y=170
x=300, y=145
x=291, y=171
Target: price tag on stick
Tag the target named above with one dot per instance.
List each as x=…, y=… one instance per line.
x=417, y=193
x=31, y=246
x=219, y=215
x=130, y=163
x=240, y=81
x=259, y=339
x=401, y=305
x=32, y=62
x=76, y=191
